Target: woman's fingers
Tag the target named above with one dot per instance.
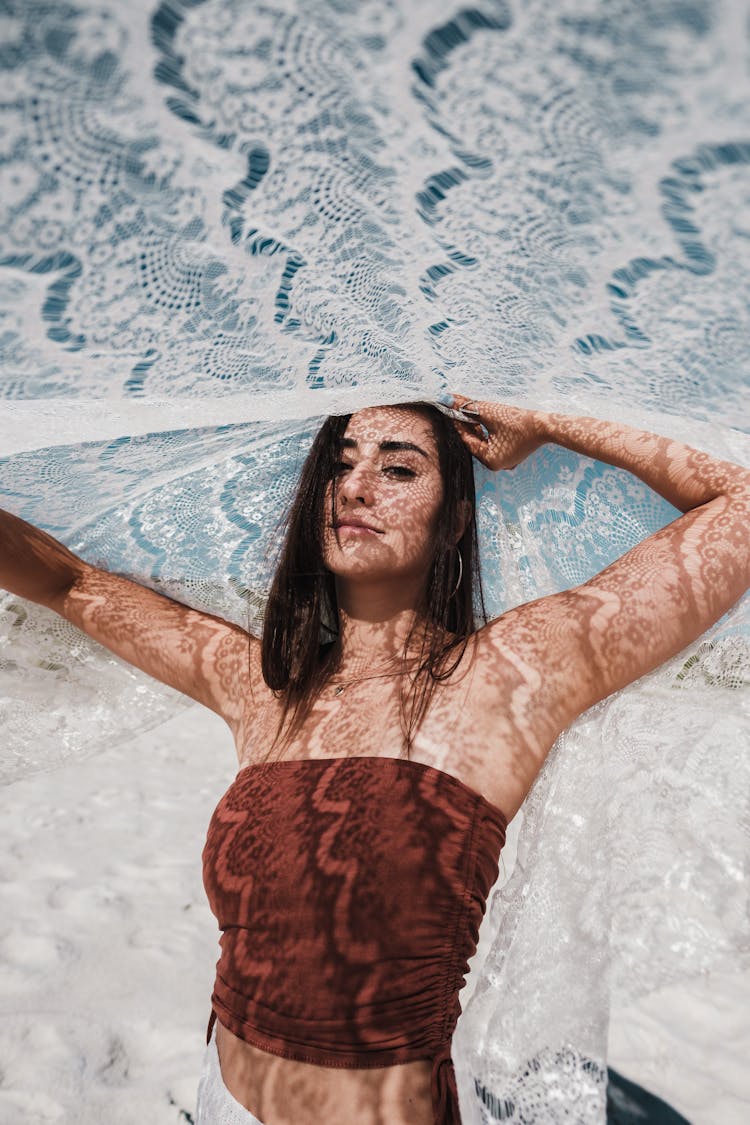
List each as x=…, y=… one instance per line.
x=476, y=443
x=473, y=433
x=511, y=432
x=460, y=401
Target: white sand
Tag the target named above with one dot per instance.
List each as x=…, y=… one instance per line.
x=108, y=949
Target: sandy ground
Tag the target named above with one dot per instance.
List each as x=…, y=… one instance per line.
x=108, y=949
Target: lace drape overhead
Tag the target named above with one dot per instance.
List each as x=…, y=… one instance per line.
x=223, y=220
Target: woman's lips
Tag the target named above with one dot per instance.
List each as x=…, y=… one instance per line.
x=358, y=529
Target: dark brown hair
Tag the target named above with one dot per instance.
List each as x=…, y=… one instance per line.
x=300, y=624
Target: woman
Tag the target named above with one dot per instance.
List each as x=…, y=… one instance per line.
x=371, y=672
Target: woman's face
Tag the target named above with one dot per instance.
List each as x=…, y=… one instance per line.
x=389, y=479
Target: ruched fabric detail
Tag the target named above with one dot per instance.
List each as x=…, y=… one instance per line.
x=349, y=893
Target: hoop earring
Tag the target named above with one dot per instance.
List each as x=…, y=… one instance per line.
x=460, y=575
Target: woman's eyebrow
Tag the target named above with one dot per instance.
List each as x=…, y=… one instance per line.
x=386, y=446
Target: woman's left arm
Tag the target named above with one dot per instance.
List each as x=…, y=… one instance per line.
x=665, y=591
x=688, y=478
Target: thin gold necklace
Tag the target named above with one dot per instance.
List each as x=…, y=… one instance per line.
x=342, y=684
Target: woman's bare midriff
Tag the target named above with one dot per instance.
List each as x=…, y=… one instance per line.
x=283, y=1091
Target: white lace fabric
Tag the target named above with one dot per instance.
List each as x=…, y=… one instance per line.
x=215, y=1104
x=222, y=221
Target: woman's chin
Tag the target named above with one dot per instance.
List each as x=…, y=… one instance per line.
x=361, y=571
x=359, y=555
x=363, y=566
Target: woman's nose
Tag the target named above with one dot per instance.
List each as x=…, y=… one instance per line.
x=357, y=485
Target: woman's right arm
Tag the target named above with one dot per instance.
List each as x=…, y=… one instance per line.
x=198, y=654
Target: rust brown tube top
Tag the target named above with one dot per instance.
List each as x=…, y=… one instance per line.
x=349, y=893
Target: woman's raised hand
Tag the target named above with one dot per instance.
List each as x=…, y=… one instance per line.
x=512, y=432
